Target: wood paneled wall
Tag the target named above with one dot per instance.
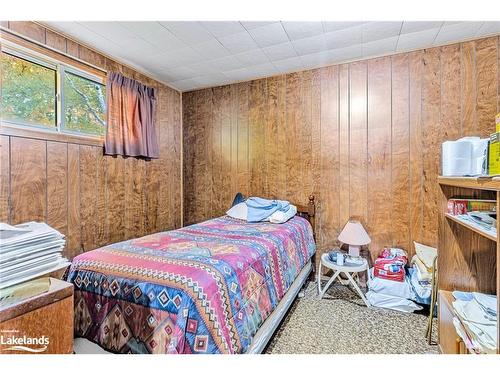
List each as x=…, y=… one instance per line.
x=364, y=137
x=92, y=198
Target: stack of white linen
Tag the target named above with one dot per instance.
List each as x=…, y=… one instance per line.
x=478, y=315
x=29, y=250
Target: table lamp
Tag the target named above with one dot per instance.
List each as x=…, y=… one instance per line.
x=355, y=236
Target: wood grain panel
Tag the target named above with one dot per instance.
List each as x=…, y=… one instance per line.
x=29, y=29
x=276, y=135
x=256, y=131
x=243, y=163
x=217, y=156
x=305, y=138
x=487, y=80
x=468, y=88
x=431, y=102
x=344, y=136
x=400, y=152
x=415, y=146
x=358, y=160
x=56, y=41
x=225, y=196
x=4, y=179
x=73, y=244
x=28, y=180
x=115, y=196
x=329, y=159
x=88, y=191
x=57, y=185
x=292, y=149
x=379, y=152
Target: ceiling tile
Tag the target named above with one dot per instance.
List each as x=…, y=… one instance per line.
x=344, y=38
x=280, y=51
x=380, y=30
x=253, y=57
x=316, y=59
x=185, y=84
x=179, y=73
x=237, y=74
x=155, y=34
x=380, y=47
x=227, y=63
x=223, y=28
x=268, y=35
x=190, y=32
x=239, y=42
x=299, y=30
x=456, y=32
x=488, y=28
x=340, y=25
x=211, y=49
x=345, y=54
x=415, y=26
x=420, y=39
x=266, y=69
x=203, y=67
x=287, y=65
x=310, y=45
x=249, y=25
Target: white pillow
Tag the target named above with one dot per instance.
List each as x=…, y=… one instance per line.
x=280, y=217
x=238, y=211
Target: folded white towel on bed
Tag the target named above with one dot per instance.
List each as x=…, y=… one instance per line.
x=280, y=217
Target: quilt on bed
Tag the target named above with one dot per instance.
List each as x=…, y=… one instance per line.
x=205, y=288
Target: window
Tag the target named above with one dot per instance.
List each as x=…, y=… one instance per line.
x=40, y=92
x=84, y=105
x=28, y=92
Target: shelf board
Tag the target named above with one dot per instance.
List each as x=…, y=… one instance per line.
x=471, y=226
x=483, y=183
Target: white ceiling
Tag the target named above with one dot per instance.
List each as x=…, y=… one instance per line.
x=192, y=55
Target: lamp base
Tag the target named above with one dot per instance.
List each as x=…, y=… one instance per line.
x=354, y=251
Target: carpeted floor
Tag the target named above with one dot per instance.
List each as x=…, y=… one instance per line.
x=340, y=323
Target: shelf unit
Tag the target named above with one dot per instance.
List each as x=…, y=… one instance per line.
x=467, y=254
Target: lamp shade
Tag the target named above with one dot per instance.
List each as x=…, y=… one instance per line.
x=354, y=234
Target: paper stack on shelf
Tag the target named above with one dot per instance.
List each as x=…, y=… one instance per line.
x=476, y=321
x=29, y=250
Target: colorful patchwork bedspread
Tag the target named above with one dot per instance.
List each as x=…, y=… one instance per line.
x=205, y=288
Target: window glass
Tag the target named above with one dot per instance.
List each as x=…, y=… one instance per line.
x=28, y=92
x=84, y=105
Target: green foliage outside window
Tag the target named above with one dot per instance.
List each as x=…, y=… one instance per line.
x=29, y=97
x=84, y=105
x=28, y=92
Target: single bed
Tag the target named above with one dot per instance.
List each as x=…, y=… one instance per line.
x=220, y=286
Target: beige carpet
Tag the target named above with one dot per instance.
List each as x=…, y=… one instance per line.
x=341, y=323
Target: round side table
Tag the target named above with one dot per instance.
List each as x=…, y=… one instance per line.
x=347, y=269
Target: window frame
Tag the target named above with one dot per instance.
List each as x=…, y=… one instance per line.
x=60, y=68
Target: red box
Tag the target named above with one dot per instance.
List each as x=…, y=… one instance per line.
x=388, y=275
x=457, y=206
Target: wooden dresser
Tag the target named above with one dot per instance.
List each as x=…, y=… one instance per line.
x=467, y=255
x=39, y=324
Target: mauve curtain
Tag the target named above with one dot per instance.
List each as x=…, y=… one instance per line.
x=131, y=115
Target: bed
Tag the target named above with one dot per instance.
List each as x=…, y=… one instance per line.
x=220, y=286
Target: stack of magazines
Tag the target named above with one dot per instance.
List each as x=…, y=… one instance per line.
x=476, y=320
x=28, y=251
